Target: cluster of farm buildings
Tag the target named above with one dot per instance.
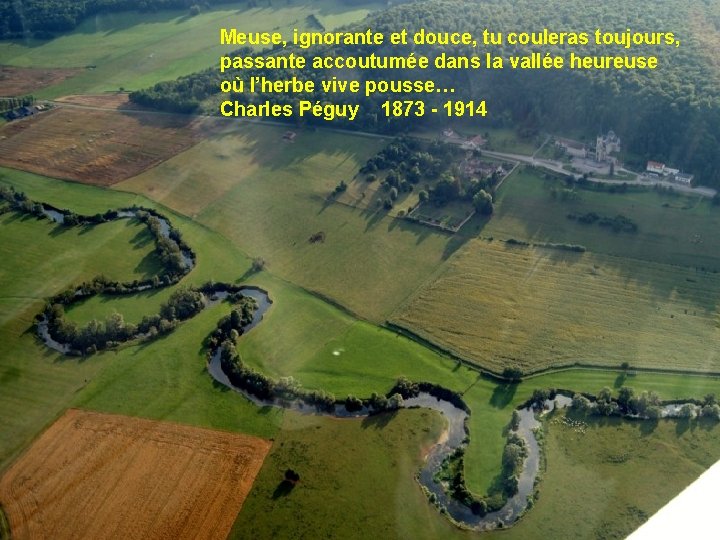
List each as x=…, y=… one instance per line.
x=660, y=170
x=22, y=112
x=605, y=145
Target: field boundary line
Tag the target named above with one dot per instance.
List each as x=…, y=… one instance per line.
x=5, y=533
x=474, y=365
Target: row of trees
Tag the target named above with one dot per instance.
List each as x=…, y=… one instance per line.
x=98, y=335
x=11, y=103
x=169, y=245
x=44, y=19
x=645, y=404
x=619, y=223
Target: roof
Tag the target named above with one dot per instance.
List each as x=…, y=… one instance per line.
x=655, y=165
x=571, y=144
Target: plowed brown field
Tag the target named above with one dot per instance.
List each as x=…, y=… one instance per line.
x=18, y=81
x=98, y=147
x=93, y=475
x=109, y=100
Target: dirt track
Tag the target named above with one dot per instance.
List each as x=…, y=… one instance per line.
x=93, y=475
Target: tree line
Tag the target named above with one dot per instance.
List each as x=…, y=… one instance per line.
x=12, y=103
x=43, y=19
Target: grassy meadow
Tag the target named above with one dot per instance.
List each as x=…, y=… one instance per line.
x=41, y=258
x=136, y=50
x=165, y=379
x=604, y=480
x=325, y=347
x=535, y=308
x=672, y=229
x=268, y=197
x=609, y=478
x=362, y=469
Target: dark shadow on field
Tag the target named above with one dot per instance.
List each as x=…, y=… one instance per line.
x=149, y=266
x=503, y=395
x=602, y=421
x=143, y=236
x=327, y=203
x=154, y=341
x=647, y=427
x=10, y=374
x=12, y=217
x=373, y=219
x=682, y=425
x=84, y=229
x=283, y=489
x=378, y=421
x=250, y=272
x=58, y=230
x=216, y=385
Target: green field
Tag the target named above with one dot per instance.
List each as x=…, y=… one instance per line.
x=136, y=50
x=673, y=229
x=325, y=347
x=361, y=470
x=268, y=197
x=535, y=308
x=604, y=481
x=38, y=262
x=165, y=379
x=610, y=478
x=40, y=258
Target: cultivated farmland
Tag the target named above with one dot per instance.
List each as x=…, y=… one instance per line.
x=18, y=81
x=108, y=100
x=97, y=147
x=503, y=305
x=100, y=476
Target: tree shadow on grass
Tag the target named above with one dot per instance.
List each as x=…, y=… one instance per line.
x=503, y=395
x=217, y=385
x=647, y=427
x=283, y=489
x=378, y=421
x=374, y=219
x=58, y=229
x=86, y=228
x=682, y=425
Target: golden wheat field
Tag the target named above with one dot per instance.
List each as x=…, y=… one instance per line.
x=93, y=475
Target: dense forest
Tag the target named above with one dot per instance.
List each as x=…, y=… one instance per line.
x=670, y=114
